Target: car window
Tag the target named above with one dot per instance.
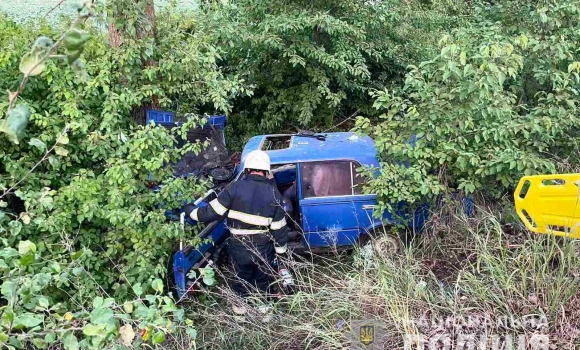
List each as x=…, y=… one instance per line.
x=334, y=178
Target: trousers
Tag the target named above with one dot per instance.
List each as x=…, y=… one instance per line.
x=252, y=265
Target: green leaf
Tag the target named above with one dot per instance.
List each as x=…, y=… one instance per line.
x=137, y=289
x=157, y=285
x=158, y=337
x=8, y=253
x=208, y=276
x=72, y=56
x=26, y=247
x=32, y=63
x=101, y=316
x=27, y=259
x=463, y=58
x=39, y=343
x=16, y=123
x=92, y=330
x=69, y=341
x=3, y=338
x=63, y=140
x=77, y=254
x=54, y=161
x=178, y=314
x=74, y=39
x=37, y=143
x=61, y=151
x=15, y=342
x=8, y=289
x=50, y=338
x=128, y=307
x=192, y=333
x=43, y=302
x=43, y=42
x=55, y=267
x=98, y=302
x=28, y=320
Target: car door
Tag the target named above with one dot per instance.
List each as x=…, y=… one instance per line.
x=333, y=209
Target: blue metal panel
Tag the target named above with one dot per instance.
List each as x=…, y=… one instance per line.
x=338, y=145
x=403, y=216
x=329, y=221
x=184, y=260
x=217, y=121
x=156, y=116
x=213, y=121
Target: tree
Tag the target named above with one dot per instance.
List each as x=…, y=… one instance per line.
x=499, y=101
x=312, y=62
x=134, y=22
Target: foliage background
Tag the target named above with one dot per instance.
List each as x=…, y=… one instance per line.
x=459, y=96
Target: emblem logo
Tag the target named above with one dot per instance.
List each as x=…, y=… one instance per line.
x=366, y=334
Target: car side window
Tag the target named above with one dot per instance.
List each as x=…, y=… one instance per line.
x=331, y=178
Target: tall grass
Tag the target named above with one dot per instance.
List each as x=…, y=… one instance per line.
x=468, y=267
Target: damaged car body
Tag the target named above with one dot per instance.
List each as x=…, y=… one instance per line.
x=324, y=201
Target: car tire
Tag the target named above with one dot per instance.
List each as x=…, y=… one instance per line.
x=385, y=241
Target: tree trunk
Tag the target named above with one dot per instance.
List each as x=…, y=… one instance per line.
x=146, y=30
x=115, y=38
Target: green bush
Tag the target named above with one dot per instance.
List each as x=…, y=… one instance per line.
x=36, y=310
x=499, y=101
x=77, y=176
x=83, y=170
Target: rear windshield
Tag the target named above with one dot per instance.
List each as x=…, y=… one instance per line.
x=276, y=142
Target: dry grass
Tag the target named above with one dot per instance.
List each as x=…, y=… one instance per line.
x=465, y=268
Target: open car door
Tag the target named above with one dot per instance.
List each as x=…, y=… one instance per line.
x=190, y=257
x=550, y=204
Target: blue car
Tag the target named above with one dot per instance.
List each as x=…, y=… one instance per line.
x=323, y=198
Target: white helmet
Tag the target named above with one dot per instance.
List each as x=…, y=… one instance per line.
x=258, y=160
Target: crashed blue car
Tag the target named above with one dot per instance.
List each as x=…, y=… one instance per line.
x=323, y=198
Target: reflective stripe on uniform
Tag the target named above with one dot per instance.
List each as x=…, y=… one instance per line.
x=238, y=231
x=280, y=250
x=193, y=215
x=249, y=218
x=218, y=207
x=276, y=225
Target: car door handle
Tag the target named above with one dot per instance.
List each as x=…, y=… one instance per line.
x=369, y=207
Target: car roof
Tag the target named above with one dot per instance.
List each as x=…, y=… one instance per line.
x=337, y=145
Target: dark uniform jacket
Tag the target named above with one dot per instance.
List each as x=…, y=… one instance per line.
x=253, y=206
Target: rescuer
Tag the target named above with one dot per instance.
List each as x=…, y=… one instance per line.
x=256, y=220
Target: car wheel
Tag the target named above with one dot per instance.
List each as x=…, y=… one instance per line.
x=384, y=240
x=387, y=245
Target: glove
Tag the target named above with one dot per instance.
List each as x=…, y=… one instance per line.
x=187, y=210
x=280, y=250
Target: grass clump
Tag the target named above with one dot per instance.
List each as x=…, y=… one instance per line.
x=471, y=277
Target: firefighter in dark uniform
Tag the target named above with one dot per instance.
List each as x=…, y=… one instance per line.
x=256, y=220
